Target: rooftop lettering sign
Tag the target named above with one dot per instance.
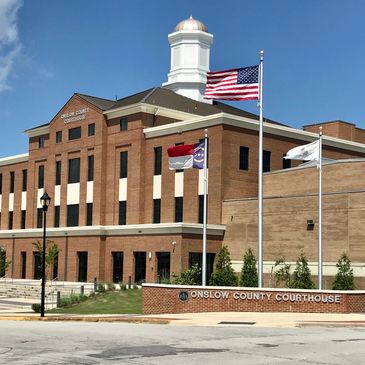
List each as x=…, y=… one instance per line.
x=75, y=116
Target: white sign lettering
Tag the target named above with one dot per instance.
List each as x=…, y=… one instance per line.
x=75, y=116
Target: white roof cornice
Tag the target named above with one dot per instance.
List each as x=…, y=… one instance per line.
x=14, y=159
x=149, y=109
x=252, y=124
x=132, y=229
x=37, y=131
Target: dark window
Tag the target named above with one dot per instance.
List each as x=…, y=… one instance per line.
x=156, y=210
x=117, y=267
x=139, y=267
x=123, y=124
x=74, y=133
x=82, y=258
x=195, y=258
x=286, y=162
x=2, y=263
x=24, y=215
x=74, y=170
x=57, y=216
x=40, y=176
x=158, y=160
x=12, y=177
x=201, y=208
x=179, y=207
x=24, y=264
x=24, y=180
x=72, y=215
x=90, y=168
x=89, y=214
x=123, y=164
x=1, y=183
x=55, y=267
x=10, y=220
x=59, y=137
x=39, y=218
x=122, y=212
x=41, y=141
x=91, y=129
x=58, y=172
x=266, y=161
x=244, y=157
x=179, y=144
x=163, y=266
x=37, y=260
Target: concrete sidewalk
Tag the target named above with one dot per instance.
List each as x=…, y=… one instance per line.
x=274, y=320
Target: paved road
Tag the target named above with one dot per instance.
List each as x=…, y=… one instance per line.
x=120, y=343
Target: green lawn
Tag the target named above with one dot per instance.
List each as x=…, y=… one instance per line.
x=110, y=302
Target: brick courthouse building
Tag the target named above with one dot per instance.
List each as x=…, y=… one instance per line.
x=116, y=209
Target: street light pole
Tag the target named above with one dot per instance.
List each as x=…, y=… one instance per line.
x=45, y=200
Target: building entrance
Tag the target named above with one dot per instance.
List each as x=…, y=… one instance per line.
x=82, y=257
x=163, y=266
x=117, y=267
x=139, y=267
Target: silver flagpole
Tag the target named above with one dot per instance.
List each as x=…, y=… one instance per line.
x=204, y=261
x=260, y=104
x=320, y=251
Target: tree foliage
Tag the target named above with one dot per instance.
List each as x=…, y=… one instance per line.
x=191, y=276
x=344, y=279
x=249, y=275
x=52, y=251
x=302, y=275
x=282, y=273
x=223, y=274
x=4, y=264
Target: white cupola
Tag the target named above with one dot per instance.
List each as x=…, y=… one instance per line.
x=190, y=50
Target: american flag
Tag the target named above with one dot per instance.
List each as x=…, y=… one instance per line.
x=235, y=84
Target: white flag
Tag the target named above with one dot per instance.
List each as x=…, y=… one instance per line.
x=307, y=152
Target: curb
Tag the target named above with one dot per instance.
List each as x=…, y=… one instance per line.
x=331, y=324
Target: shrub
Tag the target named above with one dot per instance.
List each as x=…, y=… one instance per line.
x=72, y=299
x=36, y=307
x=101, y=288
x=123, y=287
x=344, y=279
x=249, y=275
x=110, y=287
x=191, y=276
x=282, y=275
x=223, y=274
x=302, y=276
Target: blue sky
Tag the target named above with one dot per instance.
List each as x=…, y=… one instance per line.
x=314, y=55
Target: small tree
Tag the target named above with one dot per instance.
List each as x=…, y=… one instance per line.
x=249, y=275
x=191, y=276
x=4, y=264
x=223, y=274
x=302, y=275
x=344, y=279
x=52, y=251
x=282, y=275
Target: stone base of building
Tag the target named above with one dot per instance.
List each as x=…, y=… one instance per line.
x=159, y=299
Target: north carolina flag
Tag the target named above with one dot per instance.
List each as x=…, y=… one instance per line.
x=186, y=156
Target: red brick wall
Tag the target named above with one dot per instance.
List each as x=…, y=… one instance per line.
x=158, y=299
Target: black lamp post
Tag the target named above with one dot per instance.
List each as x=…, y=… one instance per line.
x=45, y=200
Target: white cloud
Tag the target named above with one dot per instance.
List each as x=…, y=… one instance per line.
x=9, y=41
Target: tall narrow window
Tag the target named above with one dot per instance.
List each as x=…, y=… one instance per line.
x=73, y=170
x=123, y=164
x=1, y=183
x=72, y=215
x=179, y=208
x=91, y=129
x=156, y=210
x=12, y=178
x=58, y=136
x=286, y=162
x=266, y=161
x=41, y=141
x=123, y=124
x=158, y=160
x=74, y=133
x=122, y=212
x=10, y=221
x=57, y=216
x=201, y=208
x=24, y=180
x=40, y=176
x=90, y=168
x=24, y=214
x=58, y=172
x=89, y=214
x=244, y=158
x=24, y=264
x=39, y=218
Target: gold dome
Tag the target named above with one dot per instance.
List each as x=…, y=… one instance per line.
x=191, y=24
